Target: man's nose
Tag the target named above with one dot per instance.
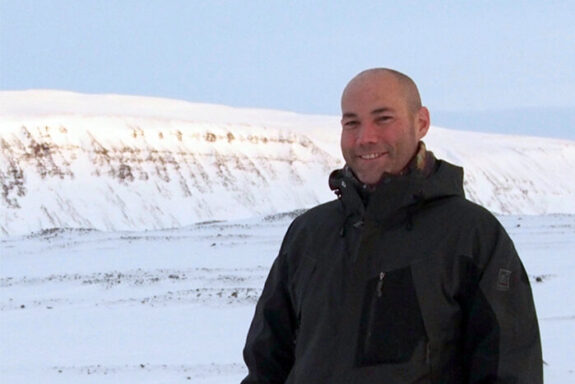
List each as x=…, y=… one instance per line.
x=367, y=134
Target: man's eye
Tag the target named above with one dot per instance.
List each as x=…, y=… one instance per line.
x=383, y=119
x=350, y=124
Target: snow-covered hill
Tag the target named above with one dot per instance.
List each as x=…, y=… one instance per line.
x=132, y=163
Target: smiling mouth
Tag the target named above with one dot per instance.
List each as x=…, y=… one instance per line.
x=371, y=156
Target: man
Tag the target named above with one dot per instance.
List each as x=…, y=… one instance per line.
x=400, y=280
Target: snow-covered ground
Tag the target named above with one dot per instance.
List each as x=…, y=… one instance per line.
x=174, y=306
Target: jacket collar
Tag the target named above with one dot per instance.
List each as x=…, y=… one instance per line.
x=422, y=162
x=397, y=197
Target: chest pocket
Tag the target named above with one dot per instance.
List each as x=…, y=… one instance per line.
x=391, y=325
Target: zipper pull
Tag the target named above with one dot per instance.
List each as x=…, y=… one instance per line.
x=380, y=284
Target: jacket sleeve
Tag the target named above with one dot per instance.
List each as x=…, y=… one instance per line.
x=501, y=333
x=270, y=344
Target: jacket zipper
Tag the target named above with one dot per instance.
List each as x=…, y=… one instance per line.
x=379, y=287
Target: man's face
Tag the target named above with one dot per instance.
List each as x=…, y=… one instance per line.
x=379, y=132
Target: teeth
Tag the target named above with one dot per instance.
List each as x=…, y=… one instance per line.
x=370, y=156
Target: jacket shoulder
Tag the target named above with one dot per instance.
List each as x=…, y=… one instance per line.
x=320, y=222
x=473, y=214
x=319, y=215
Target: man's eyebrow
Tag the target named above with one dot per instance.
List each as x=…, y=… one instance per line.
x=377, y=111
x=381, y=110
x=348, y=115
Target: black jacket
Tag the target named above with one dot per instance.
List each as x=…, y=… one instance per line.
x=420, y=286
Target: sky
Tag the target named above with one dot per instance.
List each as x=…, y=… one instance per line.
x=504, y=66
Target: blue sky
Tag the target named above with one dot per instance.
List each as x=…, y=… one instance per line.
x=474, y=61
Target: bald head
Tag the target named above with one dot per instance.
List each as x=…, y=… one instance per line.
x=405, y=85
x=382, y=123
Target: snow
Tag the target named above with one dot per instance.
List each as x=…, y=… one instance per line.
x=136, y=233
x=93, y=304
x=174, y=305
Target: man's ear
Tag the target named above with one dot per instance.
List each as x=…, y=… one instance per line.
x=422, y=122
